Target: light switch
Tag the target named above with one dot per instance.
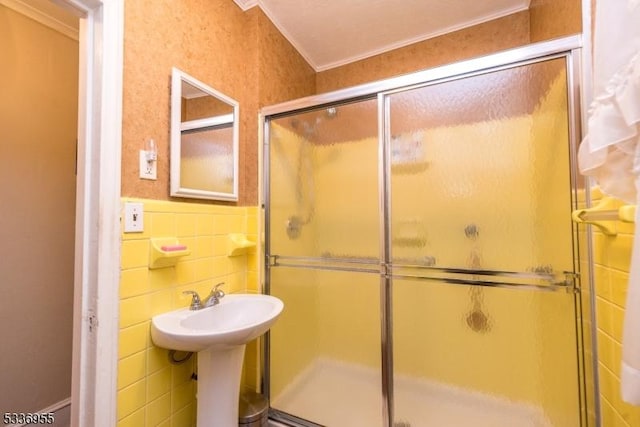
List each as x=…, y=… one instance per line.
x=133, y=217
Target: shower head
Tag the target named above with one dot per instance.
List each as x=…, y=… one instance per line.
x=310, y=125
x=307, y=129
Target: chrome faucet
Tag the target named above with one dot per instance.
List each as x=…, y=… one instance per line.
x=214, y=296
x=196, y=304
x=212, y=299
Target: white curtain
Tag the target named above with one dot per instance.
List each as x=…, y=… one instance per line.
x=611, y=151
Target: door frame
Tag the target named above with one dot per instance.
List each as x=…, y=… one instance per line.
x=97, y=241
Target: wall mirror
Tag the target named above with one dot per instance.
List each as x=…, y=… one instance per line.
x=204, y=140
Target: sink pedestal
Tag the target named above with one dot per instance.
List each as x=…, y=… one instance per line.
x=219, y=334
x=219, y=375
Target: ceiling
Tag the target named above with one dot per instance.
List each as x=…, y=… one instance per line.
x=330, y=33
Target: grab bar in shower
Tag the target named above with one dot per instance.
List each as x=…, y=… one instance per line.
x=605, y=214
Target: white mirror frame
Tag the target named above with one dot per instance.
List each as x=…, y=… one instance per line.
x=177, y=190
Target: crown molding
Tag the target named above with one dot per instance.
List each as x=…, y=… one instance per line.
x=246, y=4
x=413, y=40
x=42, y=17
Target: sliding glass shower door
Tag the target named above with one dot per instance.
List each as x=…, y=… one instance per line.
x=420, y=237
x=324, y=245
x=484, y=328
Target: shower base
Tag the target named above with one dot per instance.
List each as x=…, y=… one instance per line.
x=338, y=394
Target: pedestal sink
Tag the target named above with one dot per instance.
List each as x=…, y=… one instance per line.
x=219, y=334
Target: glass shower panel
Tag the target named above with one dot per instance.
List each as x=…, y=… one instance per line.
x=323, y=249
x=324, y=183
x=517, y=367
x=484, y=332
x=480, y=174
x=325, y=347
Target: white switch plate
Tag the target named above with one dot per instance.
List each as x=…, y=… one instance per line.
x=148, y=169
x=133, y=217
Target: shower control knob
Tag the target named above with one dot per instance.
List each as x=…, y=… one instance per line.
x=471, y=231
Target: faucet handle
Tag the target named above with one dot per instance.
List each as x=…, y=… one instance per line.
x=196, y=304
x=214, y=296
x=219, y=293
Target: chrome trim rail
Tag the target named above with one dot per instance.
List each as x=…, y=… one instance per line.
x=556, y=286
x=386, y=293
x=457, y=276
x=276, y=259
x=501, y=273
x=355, y=265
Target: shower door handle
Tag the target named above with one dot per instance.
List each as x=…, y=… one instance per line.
x=542, y=281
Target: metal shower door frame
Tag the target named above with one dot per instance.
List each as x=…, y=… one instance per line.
x=568, y=47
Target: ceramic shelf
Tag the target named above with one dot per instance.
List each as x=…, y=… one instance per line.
x=239, y=244
x=165, y=252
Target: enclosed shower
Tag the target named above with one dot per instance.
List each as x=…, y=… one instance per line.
x=419, y=232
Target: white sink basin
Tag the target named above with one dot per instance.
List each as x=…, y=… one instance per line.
x=236, y=320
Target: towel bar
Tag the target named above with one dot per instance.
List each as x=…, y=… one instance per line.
x=605, y=214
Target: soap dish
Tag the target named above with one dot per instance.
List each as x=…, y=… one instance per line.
x=165, y=252
x=239, y=244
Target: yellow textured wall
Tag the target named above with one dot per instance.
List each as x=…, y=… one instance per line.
x=238, y=53
x=150, y=390
x=38, y=128
x=283, y=74
x=182, y=34
x=551, y=19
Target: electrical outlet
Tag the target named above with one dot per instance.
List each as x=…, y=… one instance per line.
x=133, y=217
x=148, y=165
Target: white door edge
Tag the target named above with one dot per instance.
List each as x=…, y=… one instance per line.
x=97, y=259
